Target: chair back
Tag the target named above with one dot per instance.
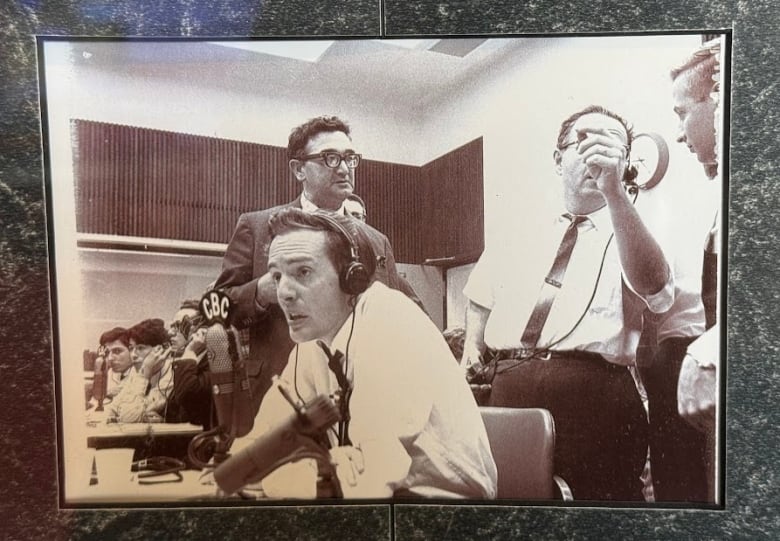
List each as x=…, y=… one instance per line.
x=523, y=442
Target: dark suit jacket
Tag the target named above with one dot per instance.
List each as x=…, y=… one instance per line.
x=245, y=261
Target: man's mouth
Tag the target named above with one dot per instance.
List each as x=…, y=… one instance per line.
x=294, y=320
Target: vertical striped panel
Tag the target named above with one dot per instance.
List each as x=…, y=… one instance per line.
x=151, y=183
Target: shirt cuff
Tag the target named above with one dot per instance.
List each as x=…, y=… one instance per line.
x=662, y=300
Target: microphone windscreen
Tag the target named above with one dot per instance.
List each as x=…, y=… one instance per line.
x=221, y=369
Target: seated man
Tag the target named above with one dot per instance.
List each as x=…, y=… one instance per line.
x=410, y=425
x=144, y=395
x=190, y=399
x=115, y=348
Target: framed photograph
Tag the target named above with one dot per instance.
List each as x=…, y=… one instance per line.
x=154, y=148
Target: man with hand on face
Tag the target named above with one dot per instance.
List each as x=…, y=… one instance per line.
x=145, y=393
x=409, y=424
x=560, y=314
x=323, y=159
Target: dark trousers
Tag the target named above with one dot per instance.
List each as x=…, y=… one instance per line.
x=679, y=461
x=600, y=422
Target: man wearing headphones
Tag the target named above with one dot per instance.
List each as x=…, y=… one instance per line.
x=561, y=314
x=323, y=159
x=409, y=424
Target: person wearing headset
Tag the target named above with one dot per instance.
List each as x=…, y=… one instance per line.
x=557, y=317
x=145, y=393
x=323, y=159
x=410, y=425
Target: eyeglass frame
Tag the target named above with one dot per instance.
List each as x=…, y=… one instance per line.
x=583, y=135
x=342, y=158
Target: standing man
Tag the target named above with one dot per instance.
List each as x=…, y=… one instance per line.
x=355, y=207
x=561, y=313
x=323, y=159
x=681, y=422
x=409, y=424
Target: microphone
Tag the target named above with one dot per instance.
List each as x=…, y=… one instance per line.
x=229, y=381
x=100, y=382
x=294, y=438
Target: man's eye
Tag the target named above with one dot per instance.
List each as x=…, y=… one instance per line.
x=303, y=272
x=276, y=277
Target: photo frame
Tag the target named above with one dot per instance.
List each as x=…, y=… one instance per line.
x=453, y=519
x=144, y=192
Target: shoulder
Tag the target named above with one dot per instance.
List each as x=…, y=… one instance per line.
x=373, y=234
x=260, y=218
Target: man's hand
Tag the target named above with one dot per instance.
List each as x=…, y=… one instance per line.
x=154, y=361
x=471, y=361
x=197, y=342
x=349, y=465
x=266, y=290
x=605, y=153
x=696, y=392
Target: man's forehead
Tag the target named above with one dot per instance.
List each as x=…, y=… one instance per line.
x=329, y=140
x=115, y=344
x=297, y=245
x=601, y=121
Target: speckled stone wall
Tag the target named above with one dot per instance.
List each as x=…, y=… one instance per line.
x=28, y=483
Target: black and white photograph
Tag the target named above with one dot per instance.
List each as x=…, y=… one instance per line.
x=464, y=269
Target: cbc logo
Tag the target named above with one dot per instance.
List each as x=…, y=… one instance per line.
x=215, y=307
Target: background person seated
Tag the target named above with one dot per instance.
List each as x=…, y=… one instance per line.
x=145, y=393
x=115, y=353
x=190, y=401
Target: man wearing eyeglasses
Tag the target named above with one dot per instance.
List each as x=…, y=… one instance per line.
x=557, y=316
x=322, y=157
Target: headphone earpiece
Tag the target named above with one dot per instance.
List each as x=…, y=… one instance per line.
x=630, y=174
x=354, y=279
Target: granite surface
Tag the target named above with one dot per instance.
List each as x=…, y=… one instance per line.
x=29, y=506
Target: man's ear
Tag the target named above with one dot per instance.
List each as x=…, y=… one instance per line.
x=296, y=167
x=557, y=157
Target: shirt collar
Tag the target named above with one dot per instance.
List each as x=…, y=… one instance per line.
x=344, y=333
x=308, y=206
x=598, y=220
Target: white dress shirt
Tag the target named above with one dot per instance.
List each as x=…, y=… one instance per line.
x=507, y=281
x=413, y=417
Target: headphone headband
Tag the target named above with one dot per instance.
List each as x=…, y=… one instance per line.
x=354, y=278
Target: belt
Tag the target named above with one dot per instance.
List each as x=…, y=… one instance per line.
x=545, y=354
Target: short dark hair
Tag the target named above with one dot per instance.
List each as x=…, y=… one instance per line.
x=150, y=332
x=339, y=250
x=702, y=65
x=567, y=124
x=117, y=333
x=303, y=133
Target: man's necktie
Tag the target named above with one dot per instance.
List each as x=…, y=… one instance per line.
x=334, y=363
x=536, y=321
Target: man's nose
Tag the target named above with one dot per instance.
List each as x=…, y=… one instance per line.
x=681, y=135
x=285, y=289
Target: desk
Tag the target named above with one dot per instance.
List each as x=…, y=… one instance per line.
x=106, y=435
x=129, y=491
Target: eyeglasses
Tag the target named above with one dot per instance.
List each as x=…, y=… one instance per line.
x=581, y=136
x=334, y=159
